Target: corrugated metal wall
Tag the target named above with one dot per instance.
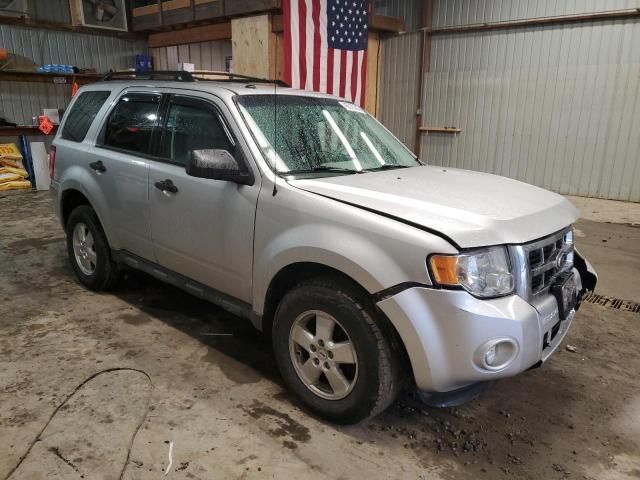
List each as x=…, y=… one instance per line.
x=205, y=55
x=50, y=10
x=557, y=106
x=462, y=12
x=20, y=102
x=400, y=85
x=409, y=10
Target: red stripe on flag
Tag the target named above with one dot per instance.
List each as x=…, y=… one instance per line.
x=354, y=76
x=287, y=41
x=330, y=71
x=343, y=72
x=363, y=78
x=316, y=45
x=302, y=27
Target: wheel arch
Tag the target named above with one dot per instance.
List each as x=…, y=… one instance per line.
x=69, y=200
x=293, y=274
x=78, y=188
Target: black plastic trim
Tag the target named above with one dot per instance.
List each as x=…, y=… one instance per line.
x=396, y=289
x=222, y=300
x=453, y=398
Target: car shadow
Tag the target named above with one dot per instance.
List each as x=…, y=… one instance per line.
x=223, y=332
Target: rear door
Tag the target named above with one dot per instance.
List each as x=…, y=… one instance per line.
x=201, y=228
x=120, y=164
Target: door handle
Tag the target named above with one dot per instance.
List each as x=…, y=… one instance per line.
x=98, y=166
x=166, y=186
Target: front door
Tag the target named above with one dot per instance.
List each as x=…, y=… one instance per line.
x=201, y=228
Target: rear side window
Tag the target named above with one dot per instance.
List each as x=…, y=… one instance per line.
x=82, y=114
x=192, y=125
x=131, y=123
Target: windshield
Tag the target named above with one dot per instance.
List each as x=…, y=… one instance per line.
x=320, y=136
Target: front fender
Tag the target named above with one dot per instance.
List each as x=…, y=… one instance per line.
x=361, y=258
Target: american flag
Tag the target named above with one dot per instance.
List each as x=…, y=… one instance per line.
x=326, y=46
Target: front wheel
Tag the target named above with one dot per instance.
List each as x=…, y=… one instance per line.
x=332, y=353
x=89, y=250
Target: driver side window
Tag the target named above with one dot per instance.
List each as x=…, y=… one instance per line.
x=192, y=125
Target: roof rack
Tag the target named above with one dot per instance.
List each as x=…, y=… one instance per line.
x=200, y=75
x=165, y=75
x=183, y=76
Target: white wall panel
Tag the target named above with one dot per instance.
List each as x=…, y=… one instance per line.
x=400, y=85
x=205, y=55
x=556, y=106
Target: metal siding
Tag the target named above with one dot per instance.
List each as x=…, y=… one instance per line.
x=462, y=12
x=400, y=85
x=50, y=10
x=19, y=102
x=205, y=55
x=409, y=10
x=556, y=106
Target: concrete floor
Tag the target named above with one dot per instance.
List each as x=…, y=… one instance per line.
x=102, y=385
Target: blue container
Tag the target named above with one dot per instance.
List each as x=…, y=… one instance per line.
x=144, y=63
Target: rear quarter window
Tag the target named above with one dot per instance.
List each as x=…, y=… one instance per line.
x=82, y=114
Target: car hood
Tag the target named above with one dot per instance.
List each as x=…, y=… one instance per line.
x=472, y=209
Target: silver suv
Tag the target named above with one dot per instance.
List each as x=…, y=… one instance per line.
x=369, y=270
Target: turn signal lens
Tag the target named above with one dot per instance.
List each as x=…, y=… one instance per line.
x=444, y=269
x=484, y=273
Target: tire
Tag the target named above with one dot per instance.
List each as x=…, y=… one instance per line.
x=102, y=272
x=374, y=380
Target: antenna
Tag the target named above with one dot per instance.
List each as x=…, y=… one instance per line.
x=275, y=139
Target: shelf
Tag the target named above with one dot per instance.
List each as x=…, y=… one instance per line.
x=453, y=130
x=24, y=130
x=57, y=78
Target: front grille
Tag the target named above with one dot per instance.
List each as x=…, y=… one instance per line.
x=542, y=261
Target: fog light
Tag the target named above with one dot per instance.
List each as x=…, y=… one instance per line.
x=490, y=356
x=496, y=354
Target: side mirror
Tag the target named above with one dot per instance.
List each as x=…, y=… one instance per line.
x=217, y=165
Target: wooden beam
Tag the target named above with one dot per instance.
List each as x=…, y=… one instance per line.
x=425, y=66
x=27, y=22
x=24, y=130
x=384, y=23
x=277, y=23
x=167, y=6
x=206, y=33
x=56, y=78
x=377, y=23
x=529, y=22
x=245, y=7
x=440, y=130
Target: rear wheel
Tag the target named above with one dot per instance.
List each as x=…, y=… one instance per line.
x=89, y=250
x=331, y=351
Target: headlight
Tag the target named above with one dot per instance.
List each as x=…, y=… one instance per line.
x=484, y=273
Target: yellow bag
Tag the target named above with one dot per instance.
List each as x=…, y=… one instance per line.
x=9, y=177
x=5, y=162
x=15, y=185
x=9, y=151
x=16, y=171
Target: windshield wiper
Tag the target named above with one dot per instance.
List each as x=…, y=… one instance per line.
x=387, y=166
x=321, y=168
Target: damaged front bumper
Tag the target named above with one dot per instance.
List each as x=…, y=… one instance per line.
x=449, y=334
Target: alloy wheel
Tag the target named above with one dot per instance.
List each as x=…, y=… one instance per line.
x=323, y=355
